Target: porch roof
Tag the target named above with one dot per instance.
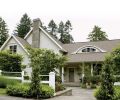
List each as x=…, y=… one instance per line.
x=86, y=57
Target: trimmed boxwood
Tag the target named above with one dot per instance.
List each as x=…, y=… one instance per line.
x=22, y=90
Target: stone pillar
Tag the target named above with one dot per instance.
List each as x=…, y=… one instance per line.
x=22, y=78
x=36, y=33
x=52, y=80
x=62, y=74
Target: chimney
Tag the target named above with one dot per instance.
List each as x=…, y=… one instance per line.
x=36, y=33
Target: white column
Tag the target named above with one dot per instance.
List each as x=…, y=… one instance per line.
x=0, y=72
x=83, y=69
x=22, y=78
x=91, y=69
x=52, y=80
x=62, y=74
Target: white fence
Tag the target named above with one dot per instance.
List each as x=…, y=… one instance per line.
x=51, y=76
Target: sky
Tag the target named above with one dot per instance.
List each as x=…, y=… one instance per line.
x=83, y=14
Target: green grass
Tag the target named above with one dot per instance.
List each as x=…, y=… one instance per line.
x=2, y=91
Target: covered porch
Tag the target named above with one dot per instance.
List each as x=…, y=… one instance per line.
x=73, y=73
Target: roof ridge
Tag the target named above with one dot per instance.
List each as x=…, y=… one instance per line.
x=93, y=41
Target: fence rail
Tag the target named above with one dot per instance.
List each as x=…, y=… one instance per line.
x=51, y=76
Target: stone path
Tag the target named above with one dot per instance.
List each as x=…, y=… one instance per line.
x=77, y=94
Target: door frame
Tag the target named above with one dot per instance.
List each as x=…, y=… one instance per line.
x=73, y=74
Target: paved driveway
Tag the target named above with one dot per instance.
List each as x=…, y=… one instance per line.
x=77, y=94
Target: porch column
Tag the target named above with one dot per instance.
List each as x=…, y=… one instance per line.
x=91, y=69
x=83, y=69
x=62, y=74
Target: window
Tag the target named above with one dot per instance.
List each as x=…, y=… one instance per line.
x=89, y=49
x=13, y=48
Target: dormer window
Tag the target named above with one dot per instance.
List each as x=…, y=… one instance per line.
x=89, y=49
x=13, y=48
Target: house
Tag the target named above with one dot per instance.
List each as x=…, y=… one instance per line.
x=82, y=56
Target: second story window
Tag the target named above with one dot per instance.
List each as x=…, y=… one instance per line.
x=13, y=48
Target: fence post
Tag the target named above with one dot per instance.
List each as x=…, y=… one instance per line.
x=22, y=79
x=0, y=72
x=52, y=80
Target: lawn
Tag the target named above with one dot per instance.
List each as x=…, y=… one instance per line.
x=2, y=91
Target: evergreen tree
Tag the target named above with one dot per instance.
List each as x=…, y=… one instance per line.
x=61, y=31
x=97, y=35
x=24, y=26
x=106, y=90
x=64, y=31
x=3, y=31
x=52, y=28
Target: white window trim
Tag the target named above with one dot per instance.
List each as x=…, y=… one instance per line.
x=91, y=46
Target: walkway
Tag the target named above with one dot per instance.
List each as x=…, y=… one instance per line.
x=77, y=94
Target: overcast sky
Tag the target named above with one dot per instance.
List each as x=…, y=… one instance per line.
x=83, y=14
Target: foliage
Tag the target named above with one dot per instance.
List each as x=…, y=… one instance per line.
x=47, y=60
x=58, y=79
x=52, y=28
x=92, y=81
x=4, y=82
x=64, y=31
x=24, y=26
x=3, y=31
x=10, y=62
x=19, y=90
x=59, y=87
x=46, y=91
x=22, y=90
x=106, y=90
x=115, y=57
x=97, y=34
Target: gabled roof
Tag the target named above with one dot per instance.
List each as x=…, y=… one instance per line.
x=107, y=46
x=57, y=42
x=19, y=40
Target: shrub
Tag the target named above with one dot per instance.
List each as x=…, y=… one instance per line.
x=59, y=87
x=46, y=91
x=10, y=62
x=4, y=82
x=58, y=79
x=22, y=90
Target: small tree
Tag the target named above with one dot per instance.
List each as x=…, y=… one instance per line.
x=97, y=34
x=106, y=90
x=10, y=62
x=42, y=61
x=24, y=26
x=3, y=31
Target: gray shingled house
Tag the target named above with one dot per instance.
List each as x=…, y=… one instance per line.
x=82, y=56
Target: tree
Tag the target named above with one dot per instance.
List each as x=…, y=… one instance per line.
x=3, y=31
x=52, y=28
x=43, y=61
x=24, y=26
x=97, y=35
x=64, y=30
x=10, y=62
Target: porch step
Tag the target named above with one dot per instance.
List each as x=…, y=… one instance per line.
x=72, y=84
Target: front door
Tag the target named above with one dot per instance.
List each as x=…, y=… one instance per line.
x=71, y=74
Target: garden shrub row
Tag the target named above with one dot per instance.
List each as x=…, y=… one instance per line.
x=22, y=90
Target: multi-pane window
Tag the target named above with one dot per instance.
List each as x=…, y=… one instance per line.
x=89, y=50
x=13, y=48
